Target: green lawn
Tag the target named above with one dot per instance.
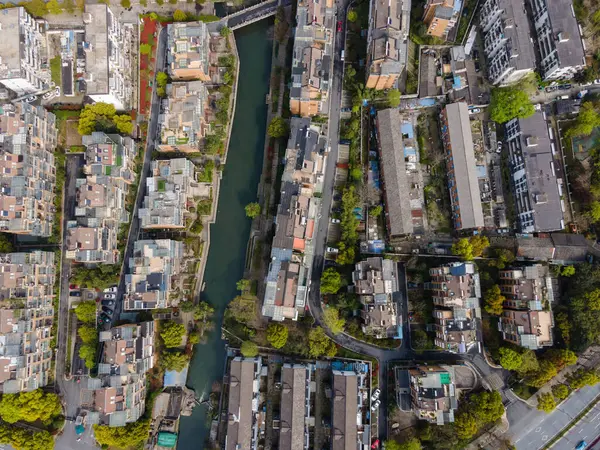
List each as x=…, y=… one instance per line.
x=55, y=66
x=162, y=184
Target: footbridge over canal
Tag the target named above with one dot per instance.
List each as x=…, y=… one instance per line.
x=253, y=13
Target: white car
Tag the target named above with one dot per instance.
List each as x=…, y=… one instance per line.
x=110, y=296
x=48, y=95
x=475, y=111
x=335, y=220
x=111, y=289
x=376, y=394
x=537, y=107
x=57, y=90
x=375, y=405
x=597, y=81
x=31, y=99
x=332, y=250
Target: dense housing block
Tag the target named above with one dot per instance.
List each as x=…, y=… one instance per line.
x=433, y=393
x=441, y=16
x=188, y=49
x=296, y=380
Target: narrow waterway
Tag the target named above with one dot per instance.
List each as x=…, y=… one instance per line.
x=229, y=235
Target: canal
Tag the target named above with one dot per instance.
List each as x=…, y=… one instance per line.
x=229, y=235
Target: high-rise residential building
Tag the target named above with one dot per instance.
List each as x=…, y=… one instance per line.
x=527, y=318
x=26, y=316
x=27, y=170
x=441, y=16
x=312, y=62
x=110, y=47
x=507, y=41
x=153, y=268
x=387, y=42
x=24, y=65
x=188, y=50
x=433, y=393
x=536, y=185
x=376, y=284
x=465, y=197
x=559, y=41
x=456, y=292
x=169, y=194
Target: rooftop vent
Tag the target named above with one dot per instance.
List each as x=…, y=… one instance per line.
x=532, y=141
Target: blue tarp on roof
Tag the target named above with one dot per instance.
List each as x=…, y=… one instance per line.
x=457, y=83
x=407, y=128
x=409, y=151
x=427, y=102
x=376, y=246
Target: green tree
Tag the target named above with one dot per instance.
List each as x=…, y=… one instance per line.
x=187, y=306
x=504, y=257
x=249, y=349
x=509, y=103
x=463, y=249
x=510, y=359
x=561, y=358
x=594, y=211
x=87, y=352
x=319, y=344
x=352, y=16
x=332, y=320
x=225, y=31
x=203, y=311
x=585, y=122
x=393, y=98
x=5, y=244
x=331, y=281
x=277, y=335
x=88, y=335
x=545, y=373
x=568, y=271
x=420, y=339
x=546, y=402
x=130, y=435
x=479, y=244
x=493, y=300
x=125, y=4
x=410, y=444
x=162, y=79
x=176, y=361
x=592, y=299
x=376, y=211
x=86, y=311
x=36, y=8
x=54, y=7
x=560, y=391
x=530, y=363
x=30, y=407
x=278, y=128
x=242, y=309
x=123, y=123
x=22, y=439
x=172, y=333
x=356, y=174
x=243, y=285
x=578, y=379
x=69, y=6
x=145, y=49
x=486, y=406
x=252, y=210
x=465, y=426
x=179, y=16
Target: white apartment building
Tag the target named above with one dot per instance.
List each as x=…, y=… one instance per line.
x=507, y=41
x=562, y=50
x=24, y=66
x=109, y=49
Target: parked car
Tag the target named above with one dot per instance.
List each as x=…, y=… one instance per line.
x=75, y=294
x=335, y=220
x=111, y=289
x=477, y=66
x=339, y=26
x=581, y=445
x=475, y=54
x=48, y=95
x=109, y=312
x=103, y=318
x=346, y=110
x=376, y=394
x=57, y=90
x=375, y=444
x=108, y=302
x=31, y=99
x=113, y=296
x=597, y=81
x=73, y=286
x=375, y=405
x=475, y=111
x=332, y=250
x=564, y=87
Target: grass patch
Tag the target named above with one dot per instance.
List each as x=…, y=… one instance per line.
x=55, y=70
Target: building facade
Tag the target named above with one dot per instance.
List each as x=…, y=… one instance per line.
x=441, y=16
x=465, y=197
x=24, y=64
x=26, y=316
x=27, y=170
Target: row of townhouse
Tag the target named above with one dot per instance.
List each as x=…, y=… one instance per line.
x=287, y=279
x=350, y=418
x=516, y=33
x=107, y=55
x=92, y=237
x=26, y=316
x=117, y=396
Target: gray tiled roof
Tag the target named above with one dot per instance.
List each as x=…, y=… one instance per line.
x=560, y=13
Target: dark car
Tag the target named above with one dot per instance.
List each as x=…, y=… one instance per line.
x=75, y=294
x=477, y=67
x=103, y=318
x=475, y=54
x=564, y=87
x=108, y=302
x=107, y=311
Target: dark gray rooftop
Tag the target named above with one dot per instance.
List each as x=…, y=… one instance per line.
x=562, y=19
x=517, y=31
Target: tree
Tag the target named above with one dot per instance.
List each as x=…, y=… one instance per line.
x=130, y=435
x=592, y=299
x=125, y=3
x=87, y=352
x=249, y=349
x=332, y=320
x=352, y=16
x=171, y=333
x=509, y=103
x=176, y=361
x=54, y=7
x=503, y=257
x=493, y=300
x=578, y=379
x=411, y=444
x=594, y=211
x=545, y=373
x=568, y=271
x=225, y=31
x=86, y=311
x=145, y=49
x=123, y=123
x=319, y=344
x=530, y=363
x=331, y=281
x=393, y=98
x=203, y=311
x=243, y=285
x=242, y=309
x=88, y=335
x=560, y=391
x=465, y=426
x=510, y=359
x=277, y=335
x=30, y=407
x=278, y=128
x=36, y=8
x=463, y=248
x=356, y=174
x=561, y=358
x=22, y=439
x=420, y=339
x=252, y=210
x=5, y=244
x=376, y=211
x=486, y=406
x=179, y=16
x=546, y=402
x=585, y=122
x=162, y=78
x=479, y=244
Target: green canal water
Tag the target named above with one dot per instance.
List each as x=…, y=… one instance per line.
x=229, y=235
